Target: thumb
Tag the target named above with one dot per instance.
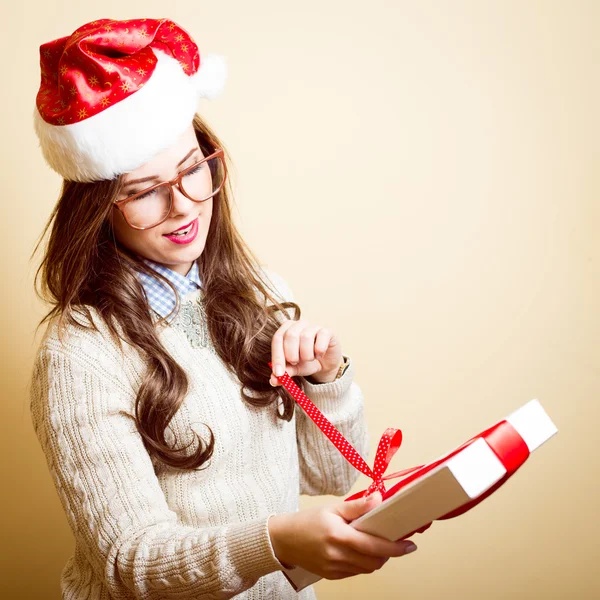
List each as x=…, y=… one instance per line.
x=356, y=508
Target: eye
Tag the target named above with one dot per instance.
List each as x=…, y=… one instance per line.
x=193, y=170
x=145, y=195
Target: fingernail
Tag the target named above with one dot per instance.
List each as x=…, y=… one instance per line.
x=409, y=548
x=278, y=370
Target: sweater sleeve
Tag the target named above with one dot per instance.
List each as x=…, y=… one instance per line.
x=323, y=469
x=112, y=498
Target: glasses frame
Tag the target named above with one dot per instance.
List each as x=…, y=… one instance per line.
x=120, y=204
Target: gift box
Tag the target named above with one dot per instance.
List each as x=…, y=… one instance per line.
x=444, y=488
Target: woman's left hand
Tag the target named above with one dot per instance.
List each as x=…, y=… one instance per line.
x=304, y=349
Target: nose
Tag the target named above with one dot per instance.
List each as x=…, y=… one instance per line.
x=181, y=204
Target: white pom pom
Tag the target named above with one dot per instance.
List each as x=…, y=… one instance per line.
x=210, y=78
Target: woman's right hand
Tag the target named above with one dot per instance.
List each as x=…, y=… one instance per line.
x=322, y=541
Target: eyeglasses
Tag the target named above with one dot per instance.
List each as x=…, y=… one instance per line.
x=152, y=206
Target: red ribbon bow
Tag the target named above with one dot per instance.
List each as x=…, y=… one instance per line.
x=502, y=438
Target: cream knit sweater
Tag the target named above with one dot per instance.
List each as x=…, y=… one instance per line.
x=146, y=531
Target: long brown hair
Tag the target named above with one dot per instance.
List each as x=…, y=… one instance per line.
x=84, y=265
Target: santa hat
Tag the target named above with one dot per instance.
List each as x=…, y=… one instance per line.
x=115, y=93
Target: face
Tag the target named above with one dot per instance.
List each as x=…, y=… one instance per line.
x=152, y=243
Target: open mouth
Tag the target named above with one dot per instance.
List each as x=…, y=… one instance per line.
x=182, y=230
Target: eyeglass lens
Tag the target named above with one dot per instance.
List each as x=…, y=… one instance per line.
x=200, y=183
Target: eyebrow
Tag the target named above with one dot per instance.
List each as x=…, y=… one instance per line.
x=152, y=177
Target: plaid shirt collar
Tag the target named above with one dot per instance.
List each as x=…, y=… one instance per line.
x=160, y=297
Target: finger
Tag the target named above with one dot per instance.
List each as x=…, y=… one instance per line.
x=277, y=349
x=365, y=543
x=322, y=341
x=357, y=563
x=363, y=563
x=291, y=341
x=307, y=343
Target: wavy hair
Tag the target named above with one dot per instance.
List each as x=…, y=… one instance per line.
x=85, y=266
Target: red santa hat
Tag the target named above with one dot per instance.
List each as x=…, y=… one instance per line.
x=115, y=93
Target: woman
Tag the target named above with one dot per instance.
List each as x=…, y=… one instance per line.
x=177, y=455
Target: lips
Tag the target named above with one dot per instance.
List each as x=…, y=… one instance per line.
x=183, y=227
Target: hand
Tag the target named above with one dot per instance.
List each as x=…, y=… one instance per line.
x=303, y=349
x=322, y=541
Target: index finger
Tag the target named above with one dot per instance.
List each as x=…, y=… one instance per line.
x=277, y=351
x=373, y=545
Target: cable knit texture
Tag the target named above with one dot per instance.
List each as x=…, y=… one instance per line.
x=147, y=531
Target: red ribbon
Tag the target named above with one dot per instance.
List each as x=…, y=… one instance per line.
x=502, y=438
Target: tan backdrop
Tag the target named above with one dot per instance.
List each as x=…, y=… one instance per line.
x=425, y=176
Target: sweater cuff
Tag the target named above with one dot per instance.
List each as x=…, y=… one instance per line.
x=328, y=395
x=251, y=549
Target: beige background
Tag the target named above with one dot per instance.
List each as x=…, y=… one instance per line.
x=425, y=176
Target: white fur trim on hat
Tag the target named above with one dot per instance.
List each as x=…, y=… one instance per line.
x=128, y=134
x=210, y=77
